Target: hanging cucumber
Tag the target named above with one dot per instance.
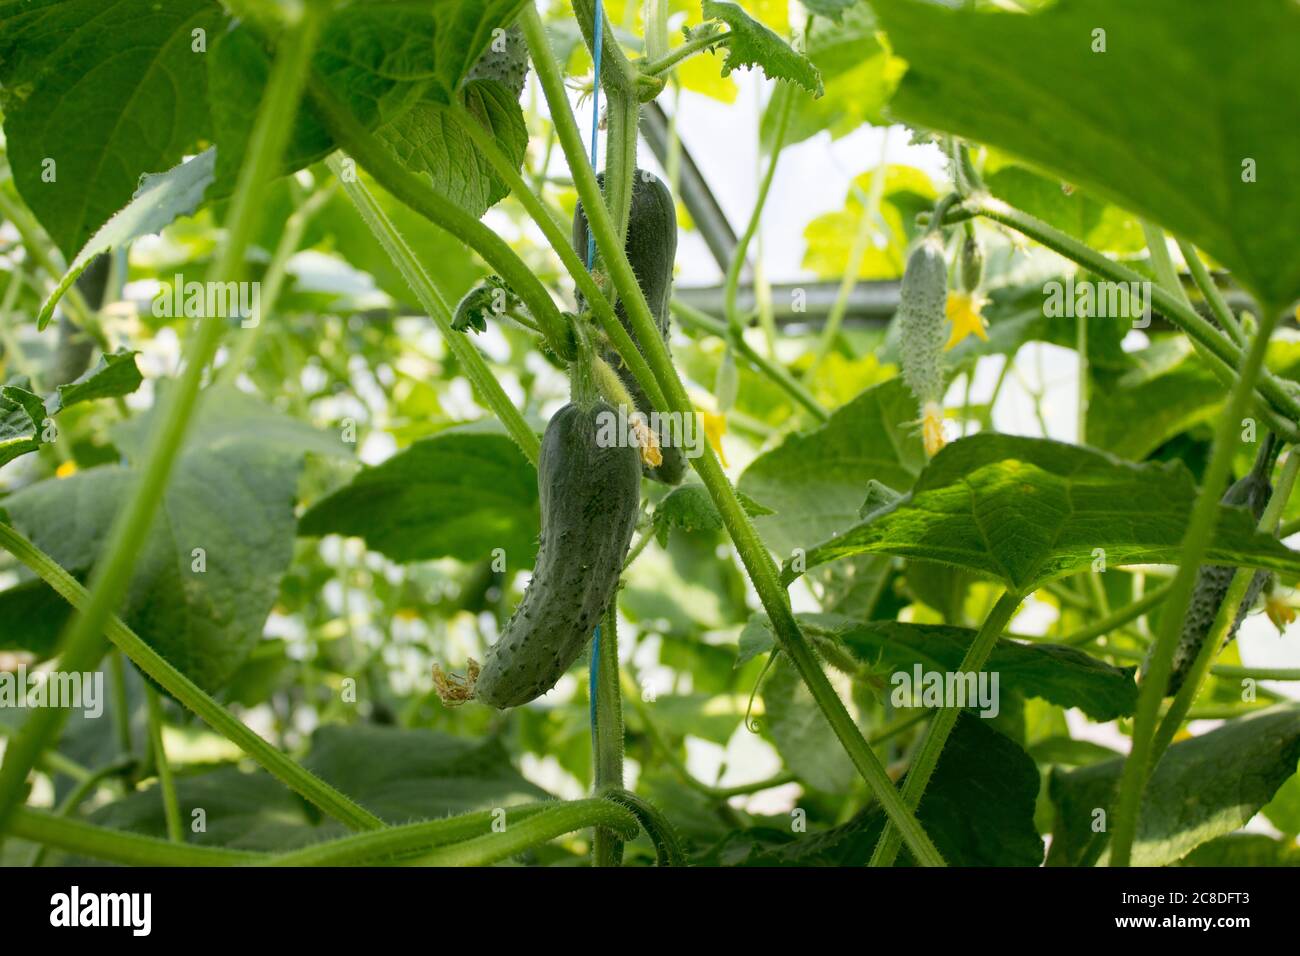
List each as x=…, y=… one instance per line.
x=651, y=248
x=589, y=492
x=922, y=330
x=1212, y=580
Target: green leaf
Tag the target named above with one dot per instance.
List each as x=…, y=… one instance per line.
x=107, y=90
x=161, y=199
x=1095, y=223
x=428, y=141
x=231, y=494
x=806, y=743
x=1058, y=674
x=815, y=482
x=1214, y=164
x=978, y=808
x=1202, y=788
x=690, y=508
x=753, y=44
x=858, y=73
x=1243, y=850
x=114, y=375
x=461, y=493
x=396, y=66
x=1027, y=510
x=23, y=414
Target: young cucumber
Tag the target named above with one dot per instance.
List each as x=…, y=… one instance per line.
x=651, y=249
x=589, y=497
x=1212, y=580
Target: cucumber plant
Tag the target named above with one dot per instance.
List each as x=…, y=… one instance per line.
x=444, y=211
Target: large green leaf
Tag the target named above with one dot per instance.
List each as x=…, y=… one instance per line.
x=1027, y=510
x=1202, y=788
x=232, y=495
x=107, y=90
x=397, y=66
x=1061, y=675
x=815, y=481
x=978, y=809
x=461, y=493
x=807, y=745
x=1166, y=122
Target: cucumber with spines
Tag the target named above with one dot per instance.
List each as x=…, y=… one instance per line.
x=651, y=249
x=1251, y=492
x=589, y=492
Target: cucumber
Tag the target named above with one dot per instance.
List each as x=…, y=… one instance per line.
x=1212, y=580
x=922, y=321
x=505, y=60
x=651, y=248
x=590, y=496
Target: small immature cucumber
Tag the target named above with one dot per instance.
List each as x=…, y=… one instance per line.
x=589, y=500
x=1212, y=580
x=922, y=331
x=651, y=249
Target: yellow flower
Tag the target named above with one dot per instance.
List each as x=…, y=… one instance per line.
x=715, y=426
x=964, y=313
x=648, y=442
x=932, y=428
x=65, y=469
x=1279, y=611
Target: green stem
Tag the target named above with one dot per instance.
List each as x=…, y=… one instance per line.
x=1204, y=282
x=563, y=247
x=689, y=315
x=622, y=115
x=1200, y=527
x=1102, y=627
x=785, y=93
x=39, y=247
x=1225, y=358
x=273, y=280
x=362, y=145
x=297, y=778
x=1224, y=618
x=762, y=570
x=656, y=67
x=668, y=848
x=79, y=793
x=607, y=848
x=166, y=785
x=121, y=703
x=1218, y=670
x=936, y=735
x=391, y=843
x=537, y=828
x=116, y=846
x=1162, y=262
x=471, y=360
x=82, y=643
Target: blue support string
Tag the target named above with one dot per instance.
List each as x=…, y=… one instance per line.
x=594, y=673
